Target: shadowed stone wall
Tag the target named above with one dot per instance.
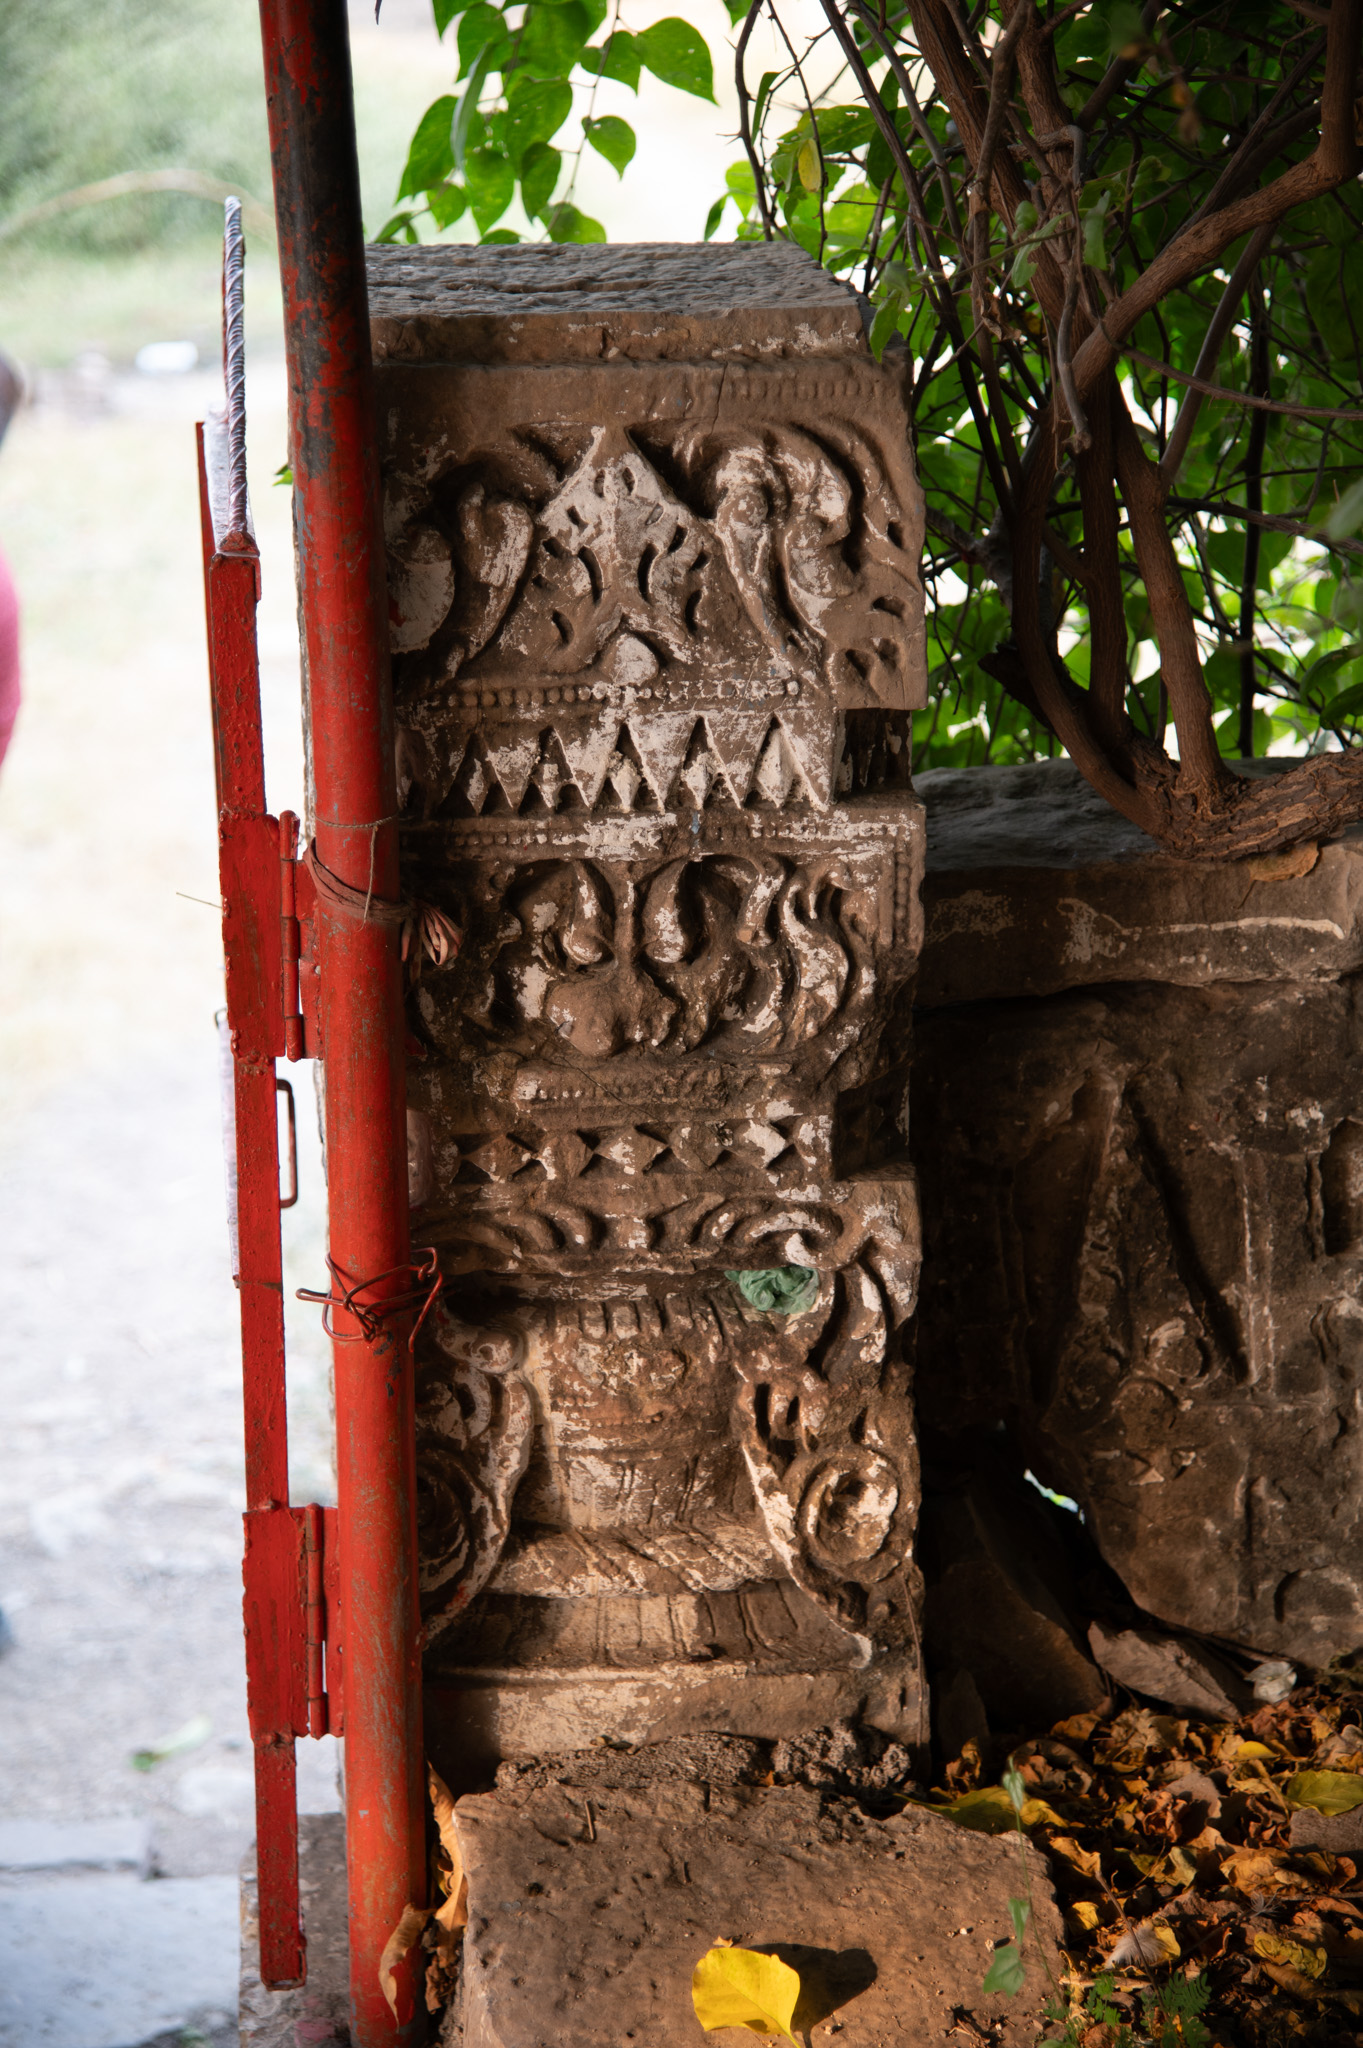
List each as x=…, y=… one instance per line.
x=653, y=539
x=1138, y=1115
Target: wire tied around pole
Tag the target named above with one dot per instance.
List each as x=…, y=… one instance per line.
x=234, y=363
x=428, y=1281
x=427, y=933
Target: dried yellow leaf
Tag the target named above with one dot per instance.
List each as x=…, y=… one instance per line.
x=403, y=1937
x=1326, y=1791
x=1285, y=866
x=1166, y=1941
x=454, y=1913
x=1257, y=1870
x=1252, y=1749
x=1086, y=1913
x=808, y=165
x=1087, y=1861
x=990, y=1811
x=1293, y=1955
x=741, y=1987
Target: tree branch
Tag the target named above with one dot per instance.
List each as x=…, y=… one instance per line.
x=1335, y=158
x=1254, y=496
x=1216, y=333
x=1201, y=771
x=744, y=119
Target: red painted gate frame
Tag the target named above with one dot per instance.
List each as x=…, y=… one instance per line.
x=303, y=1564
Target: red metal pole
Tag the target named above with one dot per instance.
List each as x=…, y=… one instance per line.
x=344, y=617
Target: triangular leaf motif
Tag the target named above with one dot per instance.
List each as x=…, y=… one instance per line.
x=513, y=762
x=587, y=749
x=660, y=740
x=553, y=786
x=476, y=785
x=737, y=737
x=700, y=781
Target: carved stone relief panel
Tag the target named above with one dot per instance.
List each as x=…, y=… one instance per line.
x=658, y=636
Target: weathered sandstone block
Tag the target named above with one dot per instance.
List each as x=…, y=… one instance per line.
x=1139, y=1119
x=653, y=540
x=596, y=1883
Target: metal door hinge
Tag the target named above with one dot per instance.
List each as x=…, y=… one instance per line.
x=292, y=1614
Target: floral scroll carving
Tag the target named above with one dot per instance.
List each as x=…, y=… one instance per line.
x=638, y=552
x=753, y=952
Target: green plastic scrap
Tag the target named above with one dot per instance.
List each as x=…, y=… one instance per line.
x=778, y=1290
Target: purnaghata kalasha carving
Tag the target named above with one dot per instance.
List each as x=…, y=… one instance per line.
x=771, y=554
x=819, y=1413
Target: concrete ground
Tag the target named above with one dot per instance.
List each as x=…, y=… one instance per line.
x=120, y=1457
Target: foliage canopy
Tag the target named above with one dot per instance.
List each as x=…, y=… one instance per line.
x=1118, y=250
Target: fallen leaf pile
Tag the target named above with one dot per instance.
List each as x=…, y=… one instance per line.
x=1171, y=1847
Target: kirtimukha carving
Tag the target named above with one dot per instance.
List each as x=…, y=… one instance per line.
x=653, y=541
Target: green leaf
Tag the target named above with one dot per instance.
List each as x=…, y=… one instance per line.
x=715, y=215
x=885, y=325
x=461, y=133
x=195, y=1731
x=539, y=174
x=1326, y=1791
x=743, y=185
x=431, y=156
x=1019, y=1912
x=483, y=33
x=398, y=228
x=502, y=235
x=611, y=138
x=552, y=40
x=1327, y=665
x=1126, y=30
x=566, y=224
x=283, y=475
x=737, y=1987
x=535, y=111
x=1013, y=1785
x=679, y=55
x=736, y=10
x=1347, y=516
x=447, y=203
x=491, y=185
x=618, y=57
x=778, y=1290
x=759, y=105
x=1095, y=249
x=445, y=11
x=1006, y=1972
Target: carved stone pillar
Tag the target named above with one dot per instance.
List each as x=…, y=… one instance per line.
x=654, y=537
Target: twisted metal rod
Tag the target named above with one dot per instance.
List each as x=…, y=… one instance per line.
x=234, y=363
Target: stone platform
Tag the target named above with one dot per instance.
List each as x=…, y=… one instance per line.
x=598, y=1879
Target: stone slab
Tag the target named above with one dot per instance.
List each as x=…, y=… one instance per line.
x=1034, y=884
x=103, y=1961
x=123, y=1843
x=646, y=301
x=594, y=1888
x=315, y=2014
x=1338, y=1834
